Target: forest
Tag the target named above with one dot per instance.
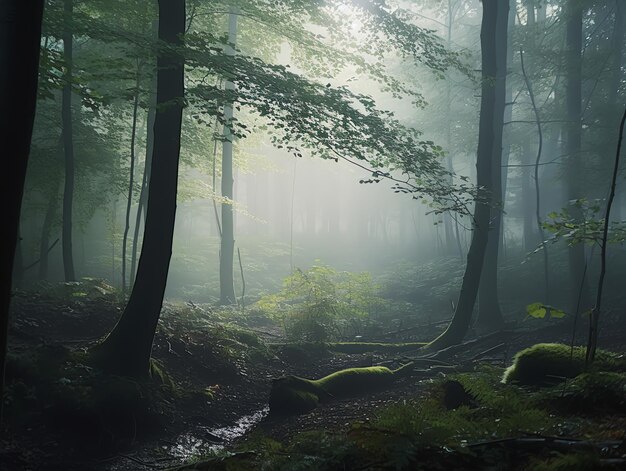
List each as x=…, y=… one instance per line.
x=313, y=235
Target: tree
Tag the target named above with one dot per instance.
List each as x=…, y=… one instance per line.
x=227, y=244
x=493, y=60
x=68, y=142
x=489, y=313
x=126, y=350
x=579, y=289
x=19, y=62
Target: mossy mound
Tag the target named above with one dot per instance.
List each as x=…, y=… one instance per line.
x=548, y=362
x=591, y=392
x=293, y=395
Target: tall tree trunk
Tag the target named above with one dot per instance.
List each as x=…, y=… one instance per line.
x=126, y=350
x=489, y=313
x=508, y=116
x=227, y=246
x=452, y=233
x=20, y=37
x=491, y=113
x=68, y=144
x=131, y=179
x=579, y=287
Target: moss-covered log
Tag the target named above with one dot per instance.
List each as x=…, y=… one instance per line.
x=546, y=362
x=292, y=394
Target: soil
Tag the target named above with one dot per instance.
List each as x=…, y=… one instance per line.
x=239, y=390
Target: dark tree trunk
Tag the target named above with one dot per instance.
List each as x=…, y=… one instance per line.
x=227, y=246
x=68, y=144
x=489, y=313
x=20, y=37
x=487, y=143
x=126, y=351
x=579, y=287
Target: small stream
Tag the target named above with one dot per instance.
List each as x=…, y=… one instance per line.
x=203, y=440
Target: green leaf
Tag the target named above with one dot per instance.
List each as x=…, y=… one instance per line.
x=536, y=310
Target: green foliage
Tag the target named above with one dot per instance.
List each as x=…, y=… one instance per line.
x=322, y=303
x=581, y=223
x=541, y=311
x=591, y=392
x=549, y=362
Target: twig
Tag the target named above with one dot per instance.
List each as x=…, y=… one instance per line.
x=39, y=259
x=243, y=283
x=595, y=313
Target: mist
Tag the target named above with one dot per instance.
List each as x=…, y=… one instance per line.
x=338, y=234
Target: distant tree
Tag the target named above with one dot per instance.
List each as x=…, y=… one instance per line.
x=573, y=11
x=227, y=244
x=68, y=141
x=20, y=37
x=493, y=46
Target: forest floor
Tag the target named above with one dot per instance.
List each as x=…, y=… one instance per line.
x=222, y=376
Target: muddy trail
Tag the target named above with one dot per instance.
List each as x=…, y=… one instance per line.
x=226, y=373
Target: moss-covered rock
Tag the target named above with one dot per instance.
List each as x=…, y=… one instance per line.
x=547, y=362
x=292, y=394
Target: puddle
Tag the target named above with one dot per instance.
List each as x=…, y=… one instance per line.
x=203, y=440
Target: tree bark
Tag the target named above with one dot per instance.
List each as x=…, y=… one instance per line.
x=68, y=144
x=227, y=246
x=20, y=37
x=489, y=312
x=579, y=287
x=491, y=112
x=126, y=350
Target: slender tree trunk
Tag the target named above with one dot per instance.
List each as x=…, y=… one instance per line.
x=452, y=234
x=127, y=349
x=44, y=243
x=508, y=116
x=491, y=76
x=20, y=37
x=227, y=246
x=131, y=179
x=489, y=313
x=575, y=171
x=68, y=144
x=528, y=198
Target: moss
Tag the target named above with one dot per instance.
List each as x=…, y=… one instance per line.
x=591, y=392
x=547, y=362
x=293, y=394
x=158, y=373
